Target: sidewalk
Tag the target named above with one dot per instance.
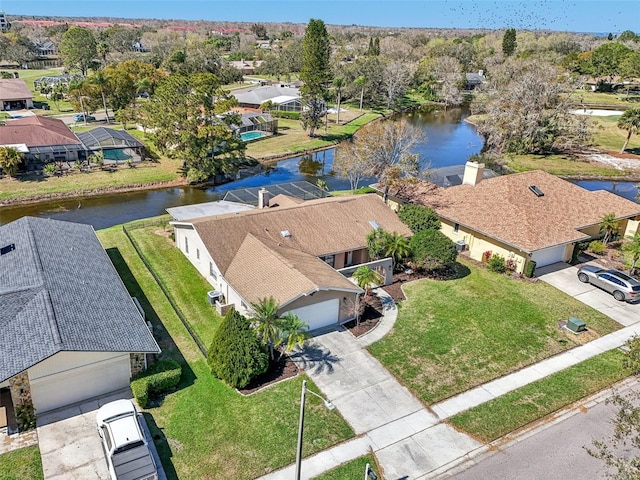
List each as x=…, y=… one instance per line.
x=410, y=440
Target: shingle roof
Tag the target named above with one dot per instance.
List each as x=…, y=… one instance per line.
x=14, y=89
x=258, y=260
x=37, y=131
x=506, y=209
x=60, y=292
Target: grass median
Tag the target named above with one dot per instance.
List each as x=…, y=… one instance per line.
x=452, y=335
x=352, y=470
x=516, y=409
x=206, y=429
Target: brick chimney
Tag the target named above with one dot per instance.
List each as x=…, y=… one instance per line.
x=473, y=173
x=263, y=198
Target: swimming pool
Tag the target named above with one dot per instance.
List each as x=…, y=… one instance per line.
x=253, y=135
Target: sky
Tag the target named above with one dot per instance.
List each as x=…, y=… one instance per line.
x=594, y=16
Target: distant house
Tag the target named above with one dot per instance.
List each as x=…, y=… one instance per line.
x=53, y=81
x=138, y=47
x=474, y=79
x=15, y=94
x=45, y=47
x=283, y=97
x=5, y=26
x=70, y=329
x=262, y=122
x=245, y=66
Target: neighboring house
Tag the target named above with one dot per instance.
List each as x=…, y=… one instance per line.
x=282, y=97
x=15, y=94
x=301, y=190
x=53, y=81
x=116, y=145
x=474, y=79
x=293, y=252
x=45, y=47
x=47, y=139
x=138, y=47
x=70, y=329
x=262, y=122
x=246, y=67
x=523, y=216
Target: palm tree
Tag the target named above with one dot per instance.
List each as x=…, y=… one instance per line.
x=609, y=226
x=294, y=330
x=267, y=322
x=100, y=81
x=10, y=158
x=338, y=83
x=397, y=247
x=360, y=82
x=629, y=121
x=633, y=248
x=365, y=277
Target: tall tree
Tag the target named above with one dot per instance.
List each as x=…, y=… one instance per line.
x=315, y=73
x=509, y=43
x=629, y=121
x=78, y=48
x=10, y=159
x=267, y=322
x=191, y=120
x=338, y=83
x=396, y=79
x=101, y=82
x=360, y=82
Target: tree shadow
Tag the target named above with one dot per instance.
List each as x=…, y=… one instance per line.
x=167, y=345
x=314, y=358
x=461, y=271
x=162, y=446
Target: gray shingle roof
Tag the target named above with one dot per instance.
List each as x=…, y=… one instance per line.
x=60, y=292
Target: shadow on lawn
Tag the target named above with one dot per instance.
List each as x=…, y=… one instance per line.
x=166, y=343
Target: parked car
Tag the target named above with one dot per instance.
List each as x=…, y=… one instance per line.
x=125, y=446
x=620, y=285
x=79, y=117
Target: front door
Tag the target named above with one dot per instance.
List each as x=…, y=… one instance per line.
x=348, y=259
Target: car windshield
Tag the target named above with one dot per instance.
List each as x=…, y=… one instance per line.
x=128, y=446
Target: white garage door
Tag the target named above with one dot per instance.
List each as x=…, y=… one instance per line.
x=547, y=256
x=78, y=383
x=320, y=314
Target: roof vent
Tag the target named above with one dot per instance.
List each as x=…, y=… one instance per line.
x=374, y=224
x=7, y=249
x=536, y=190
x=285, y=233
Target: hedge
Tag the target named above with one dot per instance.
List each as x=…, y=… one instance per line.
x=285, y=114
x=160, y=377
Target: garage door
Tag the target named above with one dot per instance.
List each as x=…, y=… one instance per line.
x=79, y=383
x=547, y=256
x=320, y=314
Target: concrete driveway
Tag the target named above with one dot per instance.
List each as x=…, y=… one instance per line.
x=69, y=443
x=565, y=278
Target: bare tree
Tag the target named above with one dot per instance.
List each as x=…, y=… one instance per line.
x=396, y=79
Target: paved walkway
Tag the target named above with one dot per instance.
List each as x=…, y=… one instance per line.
x=410, y=440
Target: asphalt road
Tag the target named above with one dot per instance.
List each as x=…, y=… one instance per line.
x=553, y=453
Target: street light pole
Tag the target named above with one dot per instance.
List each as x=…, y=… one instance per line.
x=327, y=403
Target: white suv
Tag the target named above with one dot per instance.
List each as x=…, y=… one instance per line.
x=125, y=446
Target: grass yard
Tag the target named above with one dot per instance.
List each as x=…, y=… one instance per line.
x=618, y=99
x=516, y=409
x=21, y=464
x=291, y=138
x=560, y=165
x=353, y=470
x=609, y=137
x=206, y=429
x=454, y=335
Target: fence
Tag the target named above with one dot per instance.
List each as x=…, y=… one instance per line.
x=158, y=221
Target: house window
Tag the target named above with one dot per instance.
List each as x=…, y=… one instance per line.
x=328, y=259
x=186, y=245
x=456, y=227
x=212, y=271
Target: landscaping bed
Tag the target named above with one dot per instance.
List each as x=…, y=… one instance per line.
x=280, y=368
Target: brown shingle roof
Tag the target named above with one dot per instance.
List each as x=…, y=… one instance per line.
x=14, y=89
x=506, y=209
x=36, y=131
x=254, y=256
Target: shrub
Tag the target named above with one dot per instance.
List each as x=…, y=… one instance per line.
x=432, y=249
x=511, y=264
x=377, y=241
x=283, y=114
x=363, y=190
x=486, y=256
x=236, y=354
x=497, y=264
x=160, y=377
x=597, y=247
x=50, y=168
x=26, y=416
x=419, y=218
x=529, y=268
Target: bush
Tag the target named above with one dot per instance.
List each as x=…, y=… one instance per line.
x=26, y=416
x=597, y=247
x=160, y=377
x=236, y=354
x=363, y=190
x=432, y=249
x=50, y=168
x=419, y=218
x=283, y=114
x=497, y=264
x=529, y=268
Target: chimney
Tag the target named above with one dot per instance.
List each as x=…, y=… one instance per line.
x=473, y=172
x=480, y=73
x=263, y=198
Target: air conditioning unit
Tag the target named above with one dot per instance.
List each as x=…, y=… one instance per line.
x=461, y=245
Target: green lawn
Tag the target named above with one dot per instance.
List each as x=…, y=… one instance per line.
x=30, y=75
x=516, y=409
x=563, y=165
x=609, y=137
x=21, y=464
x=618, y=99
x=353, y=470
x=205, y=429
x=456, y=334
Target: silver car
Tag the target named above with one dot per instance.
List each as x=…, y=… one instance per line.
x=619, y=284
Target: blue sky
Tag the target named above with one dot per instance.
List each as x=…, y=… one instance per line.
x=563, y=15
